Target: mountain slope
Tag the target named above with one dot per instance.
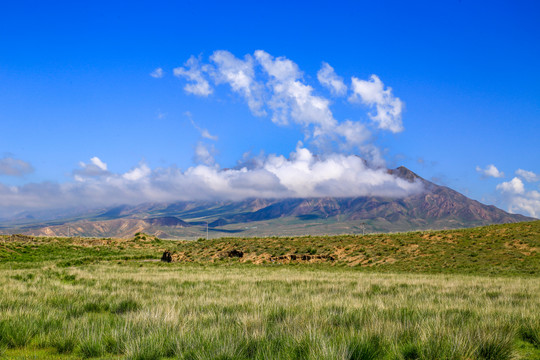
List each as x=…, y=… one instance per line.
x=436, y=205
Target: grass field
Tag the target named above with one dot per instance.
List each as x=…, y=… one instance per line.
x=109, y=299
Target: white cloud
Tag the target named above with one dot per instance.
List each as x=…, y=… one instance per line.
x=353, y=132
x=203, y=154
x=303, y=174
x=157, y=73
x=100, y=164
x=388, y=107
x=240, y=75
x=329, y=79
x=14, y=167
x=280, y=68
x=517, y=199
x=490, y=171
x=275, y=86
x=373, y=153
x=291, y=99
x=527, y=204
x=96, y=167
x=137, y=173
x=306, y=175
x=514, y=186
x=194, y=73
x=205, y=134
x=529, y=176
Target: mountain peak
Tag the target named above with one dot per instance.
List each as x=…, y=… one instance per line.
x=404, y=173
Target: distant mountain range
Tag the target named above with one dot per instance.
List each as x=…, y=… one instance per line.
x=438, y=207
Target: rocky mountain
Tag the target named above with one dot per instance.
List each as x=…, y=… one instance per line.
x=437, y=207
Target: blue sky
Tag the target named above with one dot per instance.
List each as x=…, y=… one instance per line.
x=75, y=85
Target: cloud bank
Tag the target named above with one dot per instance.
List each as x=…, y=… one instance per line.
x=302, y=174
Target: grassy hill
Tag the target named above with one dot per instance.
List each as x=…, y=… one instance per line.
x=497, y=249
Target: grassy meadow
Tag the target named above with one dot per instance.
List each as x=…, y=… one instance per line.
x=111, y=299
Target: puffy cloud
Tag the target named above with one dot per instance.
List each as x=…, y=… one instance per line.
x=388, y=107
x=14, y=167
x=302, y=174
x=240, y=75
x=291, y=99
x=329, y=79
x=306, y=175
x=529, y=204
x=137, y=173
x=518, y=199
x=529, y=176
x=275, y=86
x=526, y=202
x=514, y=186
x=194, y=73
x=280, y=68
x=157, y=73
x=490, y=171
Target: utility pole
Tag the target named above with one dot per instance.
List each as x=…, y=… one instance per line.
x=206, y=230
x=363, y=228
x=69, y=231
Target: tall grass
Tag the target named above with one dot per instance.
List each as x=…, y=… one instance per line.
x=265, y=312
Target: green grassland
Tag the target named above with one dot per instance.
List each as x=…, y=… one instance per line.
x=460, y=294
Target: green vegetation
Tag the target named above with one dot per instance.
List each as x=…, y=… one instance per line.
x=110, y=299
x=491, y=250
